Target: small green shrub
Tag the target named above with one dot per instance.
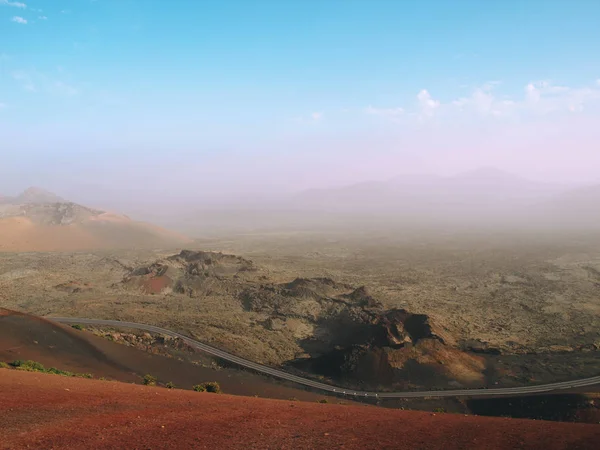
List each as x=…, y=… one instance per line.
x=149, y=380
x=323, y=400
x=34, y=366
x=170, y=385
x=213, y=386
x=56, y=371
x=209, y=386
x=30, y=366
x=439, y=410
x=3, y=365
x=77, y=327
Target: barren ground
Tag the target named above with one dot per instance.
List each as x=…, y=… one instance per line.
x=534, y=297
x=24, y=337
x=49, y=411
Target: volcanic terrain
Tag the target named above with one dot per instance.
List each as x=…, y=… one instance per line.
x=49, y=411
x=40, y=221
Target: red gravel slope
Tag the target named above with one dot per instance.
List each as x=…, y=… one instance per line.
x=49, y=411
x=23, y=336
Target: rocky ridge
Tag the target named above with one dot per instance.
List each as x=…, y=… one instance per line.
x=345, y=332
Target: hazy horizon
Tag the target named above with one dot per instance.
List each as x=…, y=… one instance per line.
x=140, y=103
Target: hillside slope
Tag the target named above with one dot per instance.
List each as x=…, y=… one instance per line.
x=27, y=337
x=49, y=411
x=68, y=227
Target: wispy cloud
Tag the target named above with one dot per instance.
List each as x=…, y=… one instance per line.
x=538, y=98
x=544, y=97
x=313, y=117
x=427, y=104
x=19, y=19
x=42, y=18
x=39, y=82
x=25, y=80
x=385, y=112
x=483, y=101
x=61, y=88
x=14, y=4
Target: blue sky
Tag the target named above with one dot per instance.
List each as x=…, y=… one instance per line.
x=362, y=89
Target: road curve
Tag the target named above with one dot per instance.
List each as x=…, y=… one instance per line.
x=327, y=387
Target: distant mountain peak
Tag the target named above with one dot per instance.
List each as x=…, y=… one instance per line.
x=488, y=172
x=37, y=195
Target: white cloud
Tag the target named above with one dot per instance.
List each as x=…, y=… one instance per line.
x=385, y=112
x=42, y=18
x=427, y=104
x=317, y=115
x=19, y=19
x=484, y=102
x=539, y=98
x=543, y=97
x=14, y=4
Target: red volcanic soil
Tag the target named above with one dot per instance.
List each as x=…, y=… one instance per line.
x=50, y=411
x=156, y=285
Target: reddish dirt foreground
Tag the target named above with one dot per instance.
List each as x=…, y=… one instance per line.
x=50, y=411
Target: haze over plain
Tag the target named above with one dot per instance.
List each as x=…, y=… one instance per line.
x=233, y=104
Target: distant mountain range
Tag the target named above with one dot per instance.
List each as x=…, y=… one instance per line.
x=486, y=196
x=483, y=190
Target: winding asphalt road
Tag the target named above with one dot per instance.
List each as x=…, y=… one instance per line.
x=326, y=387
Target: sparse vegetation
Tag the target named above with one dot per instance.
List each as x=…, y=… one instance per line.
x=34, y=366
x=213, y=386
x=429, y=278
x=3, y=365
x=149, y=380
x=170, y=385
x=323, y=400
x=209, y=386
x=77, y=327
x=439, y=410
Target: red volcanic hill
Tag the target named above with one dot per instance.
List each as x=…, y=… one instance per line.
x=49, y=411
x=37, y=221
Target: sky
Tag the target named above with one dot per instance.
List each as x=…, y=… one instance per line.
x=189, y=98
